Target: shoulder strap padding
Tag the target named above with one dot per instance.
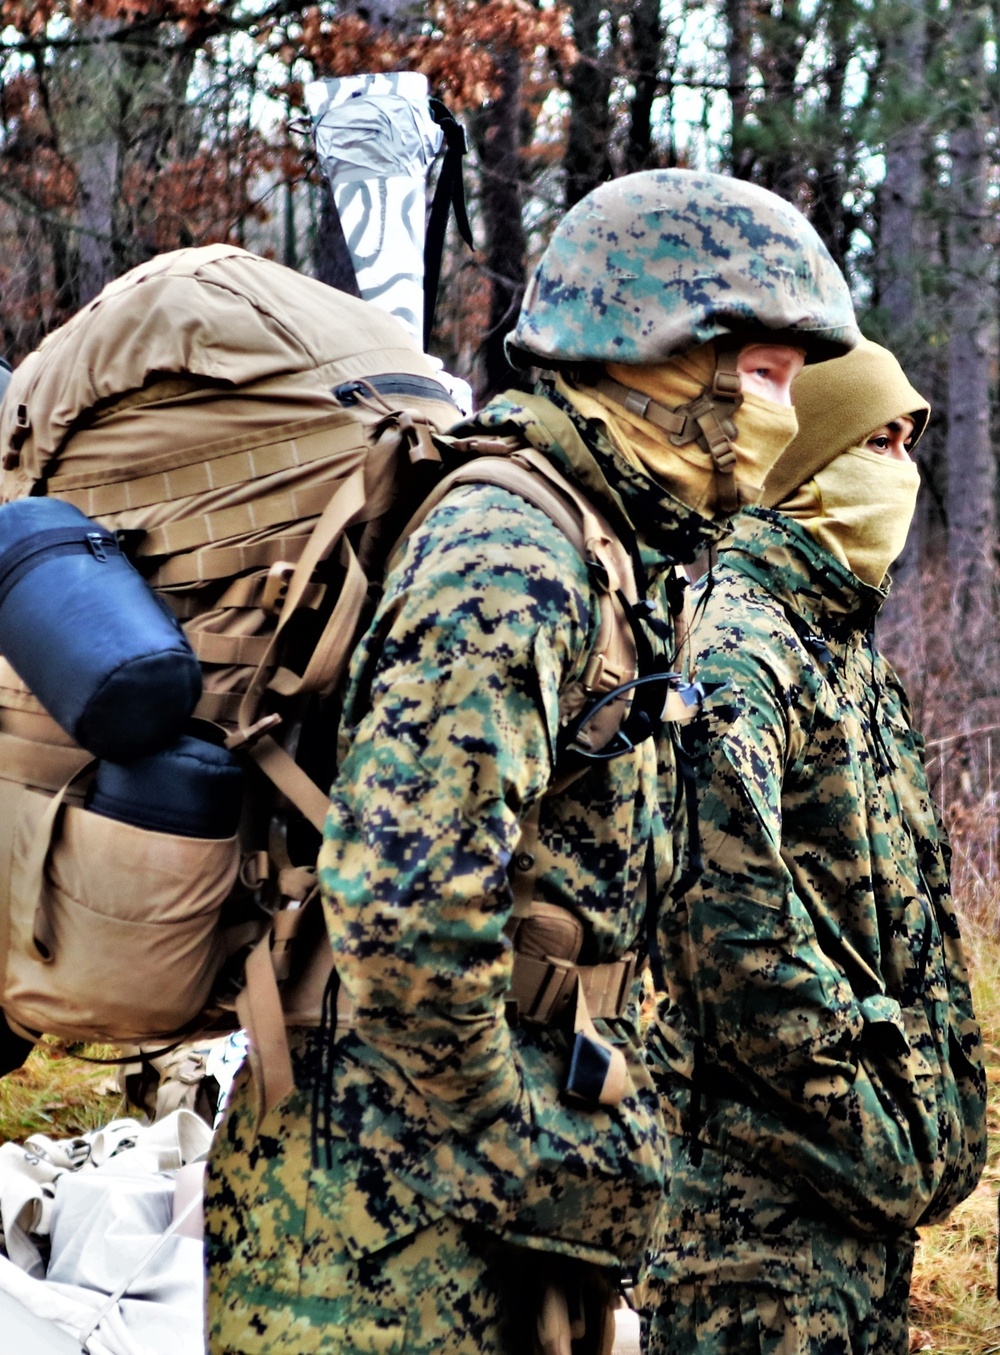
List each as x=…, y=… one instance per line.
x=532, y=476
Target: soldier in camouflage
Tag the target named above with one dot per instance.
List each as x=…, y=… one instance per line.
x=429, y=1187
x=817, y=1053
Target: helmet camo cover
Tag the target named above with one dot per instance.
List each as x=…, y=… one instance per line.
x=652, y=264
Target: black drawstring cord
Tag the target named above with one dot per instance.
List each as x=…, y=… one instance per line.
x=652, y=918
x=322, y=1075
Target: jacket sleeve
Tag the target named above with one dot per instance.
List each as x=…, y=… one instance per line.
x=811, y=1081
x=450, y=728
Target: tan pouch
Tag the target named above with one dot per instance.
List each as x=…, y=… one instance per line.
x=110, y=924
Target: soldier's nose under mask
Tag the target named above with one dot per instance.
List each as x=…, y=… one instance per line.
x=763, y=429
x=859, y=507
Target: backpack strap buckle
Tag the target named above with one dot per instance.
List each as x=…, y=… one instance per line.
x=241, y=739
x=275, y=588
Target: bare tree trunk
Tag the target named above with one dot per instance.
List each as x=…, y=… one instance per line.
x=497, y=132
x=835, y=157
x=739, y=26
x=97, y=173
x=97, y=160
x=971, y=485
x=783, y=37
x=646, y=44
x=586, y=161
x=903, y=232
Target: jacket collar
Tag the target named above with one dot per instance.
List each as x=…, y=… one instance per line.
x=782, y=557
x=668, y=531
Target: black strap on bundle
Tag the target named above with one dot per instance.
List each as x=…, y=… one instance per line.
x=450, y=191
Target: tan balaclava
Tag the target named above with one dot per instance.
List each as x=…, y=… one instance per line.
x=857, y=504
x=762, y=429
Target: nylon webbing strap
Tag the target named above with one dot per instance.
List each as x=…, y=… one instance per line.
x=644, y=406
x=243, y=466
x=506, y=474
x=220, y=562
x=289, y=505
x=600, y=539
x=258, y=1009
x=281, y=768
x=14, y=694
x=223, y=707
x=243, y=594
x=706, y=420
x=37, y=725
x=44, y=766
x=239, y=650
x=344, y=508
x=542, y=988
x=27, y=873
x=333, y=648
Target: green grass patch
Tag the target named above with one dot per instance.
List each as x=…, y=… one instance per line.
x=58, y=1094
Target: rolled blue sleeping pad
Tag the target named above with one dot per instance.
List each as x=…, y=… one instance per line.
x=191, y=789
x=81, y=627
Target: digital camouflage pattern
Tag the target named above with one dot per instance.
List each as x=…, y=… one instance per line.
x=850, y=1297
x=451, y=718
x=305, y=1287
x=819, y=1059
x=652, y=264
x=447, y=1286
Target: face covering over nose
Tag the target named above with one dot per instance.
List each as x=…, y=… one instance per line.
x=763, y=429
x=859, y=507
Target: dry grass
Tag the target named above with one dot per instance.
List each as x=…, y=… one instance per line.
x=56, y=1094
x=954, y=1307
x=950, y=665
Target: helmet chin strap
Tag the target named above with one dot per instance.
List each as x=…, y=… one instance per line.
x=706, y=420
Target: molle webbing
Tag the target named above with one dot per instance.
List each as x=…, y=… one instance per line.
x=542, y=989
x=209, y=514
x=196, y=470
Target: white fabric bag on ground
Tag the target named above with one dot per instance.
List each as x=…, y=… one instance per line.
x=106, y=1200
x=103, y=1223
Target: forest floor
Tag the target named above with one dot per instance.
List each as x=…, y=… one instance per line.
x=954, y=1308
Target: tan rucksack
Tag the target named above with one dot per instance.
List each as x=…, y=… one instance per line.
x=251, y=435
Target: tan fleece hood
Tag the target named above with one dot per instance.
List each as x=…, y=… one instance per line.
x=839, y=403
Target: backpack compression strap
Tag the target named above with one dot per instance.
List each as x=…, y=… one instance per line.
x=612, y=662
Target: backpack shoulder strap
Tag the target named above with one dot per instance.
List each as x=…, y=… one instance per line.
x=524, y=471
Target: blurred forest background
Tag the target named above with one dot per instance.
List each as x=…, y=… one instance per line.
x=128, y=127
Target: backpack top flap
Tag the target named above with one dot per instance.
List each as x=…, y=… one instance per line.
x=217, y=314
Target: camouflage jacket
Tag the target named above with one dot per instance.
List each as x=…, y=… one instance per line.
x=447, y=740
x=818, y=1030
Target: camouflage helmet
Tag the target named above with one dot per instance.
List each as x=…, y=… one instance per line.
x=652, y=264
